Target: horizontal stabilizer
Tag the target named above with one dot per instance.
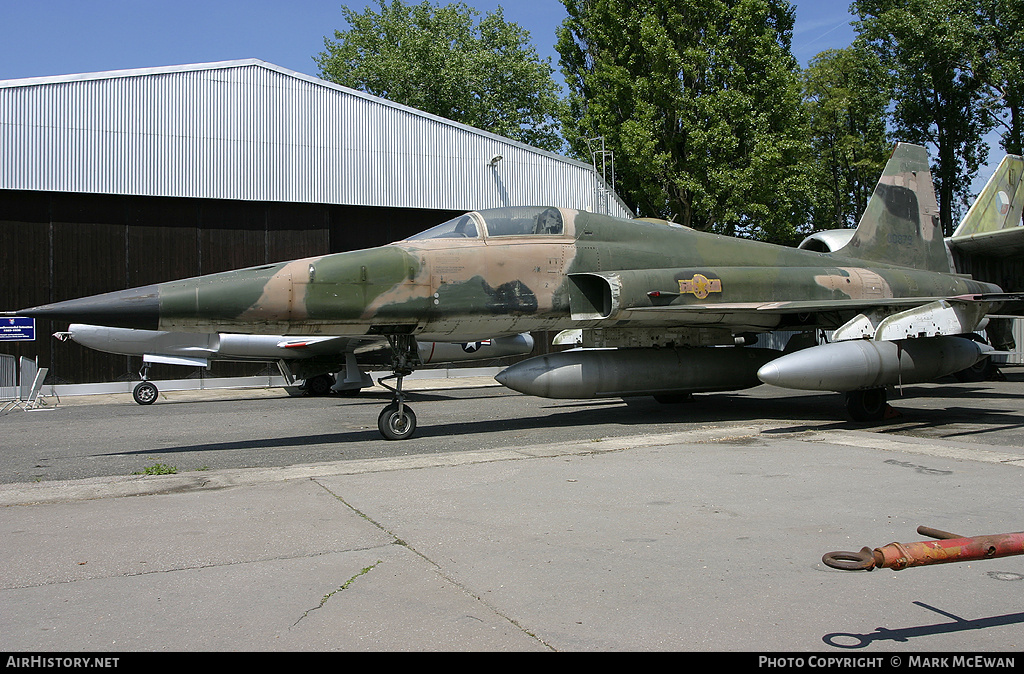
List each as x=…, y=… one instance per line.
x=1003, y=243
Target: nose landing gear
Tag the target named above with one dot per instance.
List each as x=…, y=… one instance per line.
x=145, y=392
x=397, y=421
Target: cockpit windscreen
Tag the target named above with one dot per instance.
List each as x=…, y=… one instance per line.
x=513, y=221
x=462, y=227
x=524, y=221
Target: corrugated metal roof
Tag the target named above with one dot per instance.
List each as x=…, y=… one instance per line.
x=251, y=130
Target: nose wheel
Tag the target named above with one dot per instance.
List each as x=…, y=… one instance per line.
x=397, y=421
x=145, y=392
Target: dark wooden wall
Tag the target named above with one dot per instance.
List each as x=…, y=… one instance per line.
x=58, y=246
x=1006, y=272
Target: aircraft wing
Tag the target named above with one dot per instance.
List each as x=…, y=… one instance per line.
x=789, y=307
x=198, y=349
x=884, y=319
x=814, y=306
x=165, y=359
x=331, y=344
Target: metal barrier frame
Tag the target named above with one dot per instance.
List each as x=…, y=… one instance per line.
x=8, y=378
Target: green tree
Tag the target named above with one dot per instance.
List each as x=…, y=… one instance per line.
x=439, y=59
x=846, y=94
x=700, y=102
x=935, y=55
x=1002, y=24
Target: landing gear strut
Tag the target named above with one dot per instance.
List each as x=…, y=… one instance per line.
x=397, y=421
x=145, y=392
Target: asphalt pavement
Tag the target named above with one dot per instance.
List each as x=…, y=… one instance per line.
x=580, y=530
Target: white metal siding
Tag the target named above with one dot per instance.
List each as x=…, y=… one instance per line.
x=250, y=130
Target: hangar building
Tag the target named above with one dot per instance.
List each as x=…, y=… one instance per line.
x=119, y=179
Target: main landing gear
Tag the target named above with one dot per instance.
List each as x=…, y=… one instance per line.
x=397, y=421
x=145, y=392
x=867, y=405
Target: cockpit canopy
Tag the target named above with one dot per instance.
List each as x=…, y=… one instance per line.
x=513, y=221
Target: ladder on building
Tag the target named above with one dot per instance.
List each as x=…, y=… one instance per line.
x=603, y=160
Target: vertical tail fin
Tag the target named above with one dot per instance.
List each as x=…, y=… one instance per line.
x=901, y=223
x=990, y=239
x=999, y=206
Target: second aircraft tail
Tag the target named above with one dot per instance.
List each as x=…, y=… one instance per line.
x=992, y=225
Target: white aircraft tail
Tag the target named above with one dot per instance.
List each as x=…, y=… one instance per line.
x=994, y=220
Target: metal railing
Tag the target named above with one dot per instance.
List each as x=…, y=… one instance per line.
x=8, y=377
x=27, y=395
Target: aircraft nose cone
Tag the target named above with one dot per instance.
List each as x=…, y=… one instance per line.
x=133, y=308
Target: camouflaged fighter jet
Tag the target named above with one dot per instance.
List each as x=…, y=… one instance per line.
x=668, y=310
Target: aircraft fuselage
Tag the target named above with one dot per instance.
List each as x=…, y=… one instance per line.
x=599, y=271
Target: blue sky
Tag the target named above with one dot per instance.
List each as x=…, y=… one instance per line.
x=57, y=37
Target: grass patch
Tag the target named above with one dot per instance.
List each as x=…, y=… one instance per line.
x=158, y=469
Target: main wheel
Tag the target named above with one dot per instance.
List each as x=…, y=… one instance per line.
x=319, y=385
x=145, y=393
x=395, y=426
x=866, y=405
x=980, y=371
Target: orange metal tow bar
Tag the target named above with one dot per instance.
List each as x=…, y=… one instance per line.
x=949, y=548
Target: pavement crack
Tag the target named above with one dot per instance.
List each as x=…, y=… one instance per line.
x=343, y=586
x=437, y=568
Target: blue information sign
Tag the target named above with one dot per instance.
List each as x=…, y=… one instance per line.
x=17, y=329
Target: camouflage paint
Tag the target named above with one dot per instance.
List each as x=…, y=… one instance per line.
x=466, y=284
x=901, y=222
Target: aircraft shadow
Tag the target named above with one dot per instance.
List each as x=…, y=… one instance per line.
x=904, y=635
x=374, y=396
x=814, y=411
x=991, y=420
x=385, y=397
x=591, y=416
